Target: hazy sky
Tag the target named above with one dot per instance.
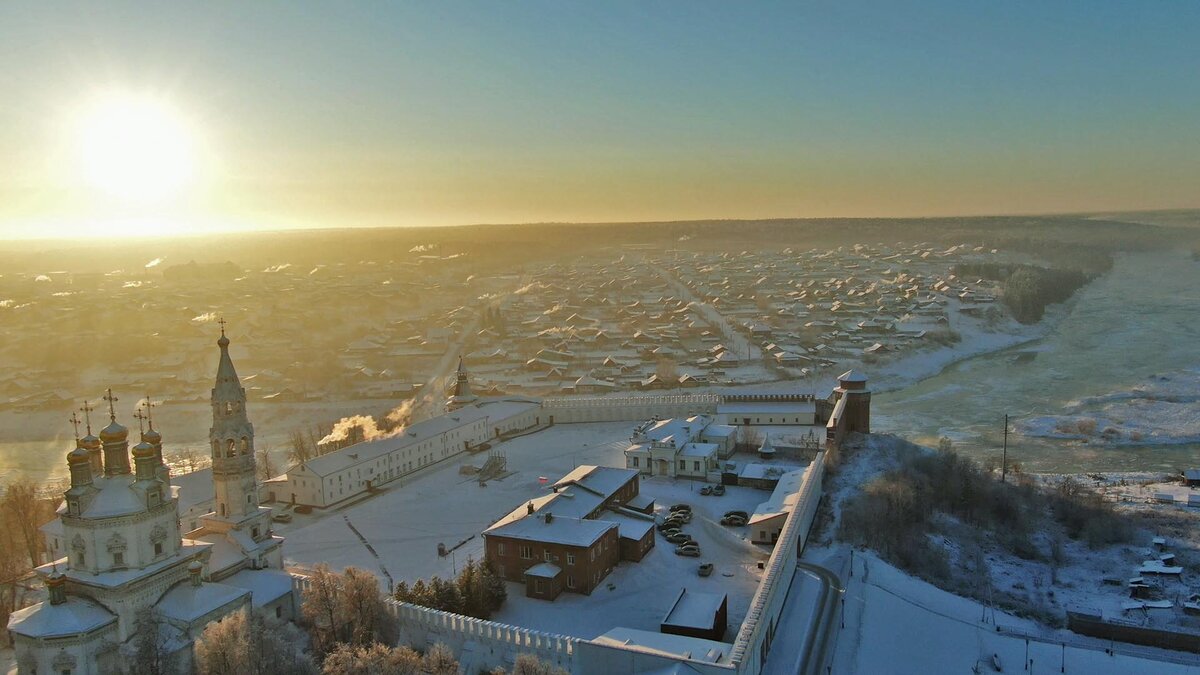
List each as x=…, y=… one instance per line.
x=438, y=113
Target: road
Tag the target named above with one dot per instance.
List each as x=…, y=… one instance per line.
x=807, y=623
x=734, y=340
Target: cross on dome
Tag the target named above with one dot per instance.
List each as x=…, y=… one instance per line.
x=87, y=415
x=75, y=423
x=112, y=412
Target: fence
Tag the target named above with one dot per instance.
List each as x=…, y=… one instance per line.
x=480, y=644
x=753, y=641
x=568, y=410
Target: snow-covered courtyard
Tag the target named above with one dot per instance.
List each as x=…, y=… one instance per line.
x=404, y=524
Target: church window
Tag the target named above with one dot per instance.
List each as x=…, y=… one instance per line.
x=245, y=446
x=228, y=408
x=278, y=612
x=158, y=548
x=254, y=532
x=229, y=449
x=222, y=509
x=118, y=559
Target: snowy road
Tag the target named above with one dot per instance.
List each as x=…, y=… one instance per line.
x=807, y=624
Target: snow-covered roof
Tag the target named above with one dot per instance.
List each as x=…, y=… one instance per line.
x=852, y=376
x=699, y=449
x=783, y=497
x=115, y=496
x=693, y=609
x=602, y=480
x=564, y=530
x=188, y=602
x=265, y=585
x=544, y=570
x=719, y=430
x=667, y=644
x=495, y=410
x=44, y=620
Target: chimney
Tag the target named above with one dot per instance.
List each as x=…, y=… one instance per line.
x=194, y=570
x=549, y=517
x=529, y=507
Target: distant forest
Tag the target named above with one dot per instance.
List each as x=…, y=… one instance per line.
x=1027, y=289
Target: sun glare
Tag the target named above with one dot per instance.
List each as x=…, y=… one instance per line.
x=135, y=148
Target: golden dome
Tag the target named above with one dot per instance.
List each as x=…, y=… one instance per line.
x=78, y=456
x=89, y=442
x=114, y=433
x=143, y=449
x=152, y=437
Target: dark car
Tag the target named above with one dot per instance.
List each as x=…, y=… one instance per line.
x=705, y=569
x=719, y=490
x=679, y=538
x=681, y=507
x=740, y=514
x=734, y=521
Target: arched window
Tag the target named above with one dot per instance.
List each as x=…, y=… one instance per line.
x=245, y=446
x=230, y=451
x=228, y=408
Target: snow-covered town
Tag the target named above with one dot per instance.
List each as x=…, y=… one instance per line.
x=577, y=338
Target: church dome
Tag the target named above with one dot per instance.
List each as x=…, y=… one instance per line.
x=89, y=442
x=152, y=437
x=114, y=433
x=78, y=456
x=222, y=341
x=143, y=449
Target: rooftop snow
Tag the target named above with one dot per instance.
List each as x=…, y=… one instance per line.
x=186, y=602
x=44, y=620
x=695, y=610
x=665, y=644
x=564, y=530
x=602, y=480
x=544, y=570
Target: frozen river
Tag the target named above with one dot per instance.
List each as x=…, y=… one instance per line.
x=1140, y=320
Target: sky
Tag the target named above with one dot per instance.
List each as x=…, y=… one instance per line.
x=440, y=113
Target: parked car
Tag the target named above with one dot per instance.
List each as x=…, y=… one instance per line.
x=671, y=531
x=719, y=490
x=282, y=517
x=679, y=538
x=733, y=521
x=706, y=490
x=741, y=514
x=685, y=516
x=668, y=525
x=681, y=507
x=691, y=551
x=705, y=569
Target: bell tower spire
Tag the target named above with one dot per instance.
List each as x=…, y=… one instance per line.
x=232, y=439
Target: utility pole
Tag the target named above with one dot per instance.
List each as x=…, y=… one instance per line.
x=1004, y=455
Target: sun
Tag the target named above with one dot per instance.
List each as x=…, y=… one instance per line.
x=135, y=148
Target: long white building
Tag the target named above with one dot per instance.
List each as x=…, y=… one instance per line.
x=355, y=470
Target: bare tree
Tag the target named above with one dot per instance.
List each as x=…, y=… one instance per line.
x=371, y=660
x=346, y=608
x=299, y=451
x=22, y=508
x=439, y=660
x=266, y=466
x=152, y=656
x=243, y=644
x=529, y=664
x=13, y=567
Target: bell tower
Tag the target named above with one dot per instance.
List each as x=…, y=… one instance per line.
x=232, y=441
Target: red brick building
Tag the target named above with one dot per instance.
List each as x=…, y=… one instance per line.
x=566, y=554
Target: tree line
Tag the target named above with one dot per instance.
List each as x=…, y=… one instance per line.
x=1027, y=289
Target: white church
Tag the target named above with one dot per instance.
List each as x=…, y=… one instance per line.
x=125, y=551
